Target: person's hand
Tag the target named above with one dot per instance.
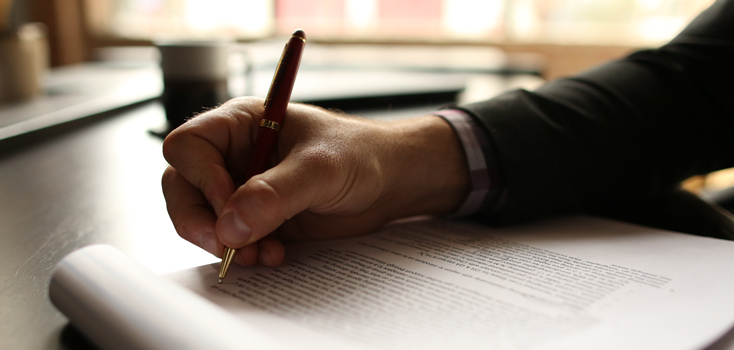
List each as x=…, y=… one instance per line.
x=335, y=176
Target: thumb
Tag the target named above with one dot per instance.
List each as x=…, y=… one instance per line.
x=265, y=201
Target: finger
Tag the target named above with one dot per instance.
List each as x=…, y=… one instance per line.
x=247, y=255
x=309, y=225
x=267, y=251
x=262, y=204
x=190, y=212
x=270, y=252
x=211, y=148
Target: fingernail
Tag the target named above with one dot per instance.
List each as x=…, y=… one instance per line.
x=208, y=242
x=232, y=230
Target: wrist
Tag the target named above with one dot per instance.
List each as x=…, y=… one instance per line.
x=430, y=175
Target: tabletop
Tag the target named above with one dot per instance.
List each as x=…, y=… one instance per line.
x=62, y=190
x=92, y=181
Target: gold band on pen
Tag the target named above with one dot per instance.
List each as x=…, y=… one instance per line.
x=267, y=123
x=296, y=36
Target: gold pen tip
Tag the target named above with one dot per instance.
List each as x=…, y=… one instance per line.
x=220, y=281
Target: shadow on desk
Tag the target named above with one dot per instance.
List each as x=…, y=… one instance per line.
x=71, y=338
x=681, y=211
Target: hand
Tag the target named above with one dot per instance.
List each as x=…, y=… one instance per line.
x=334, y=176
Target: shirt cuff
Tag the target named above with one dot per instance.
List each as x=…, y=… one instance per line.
x=487, y=188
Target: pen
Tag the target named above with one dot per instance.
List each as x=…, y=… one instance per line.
x=275, y=106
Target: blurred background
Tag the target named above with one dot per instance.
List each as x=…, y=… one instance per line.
x=625, y=22
x=565, y=36
x=85, y=97
x=572, y=34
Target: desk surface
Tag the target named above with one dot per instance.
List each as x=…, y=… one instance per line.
x=99, y=183
x=95, y=182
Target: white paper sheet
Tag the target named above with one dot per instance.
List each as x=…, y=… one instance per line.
x=577, y=283
x=119, y=304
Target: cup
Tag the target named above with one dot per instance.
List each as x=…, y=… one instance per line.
x=195, y=77
x=23, y=62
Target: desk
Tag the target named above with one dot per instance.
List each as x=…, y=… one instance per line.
x=96, y=181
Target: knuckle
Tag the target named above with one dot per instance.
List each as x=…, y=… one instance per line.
x=263, y=201
x=245, y=104
x=323, y=158
x=183, y=228
x=262, y=193
x=210, y=179
x=171, y=144
x=169, y=173
x=244, y=100
x=168, y=177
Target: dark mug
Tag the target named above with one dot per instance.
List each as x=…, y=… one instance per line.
x=195, y=77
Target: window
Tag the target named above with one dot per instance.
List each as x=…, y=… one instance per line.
x=631, y=22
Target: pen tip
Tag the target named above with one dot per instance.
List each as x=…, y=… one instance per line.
x=220, y=281
x=300, y=33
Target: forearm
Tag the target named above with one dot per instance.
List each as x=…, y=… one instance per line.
x=626, y=131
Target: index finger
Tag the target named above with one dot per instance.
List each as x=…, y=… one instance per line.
x=210, y=149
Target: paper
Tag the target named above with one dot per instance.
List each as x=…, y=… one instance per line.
x=118, y=304
x=578, y=283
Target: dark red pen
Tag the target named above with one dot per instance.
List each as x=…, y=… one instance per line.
x=275, y=106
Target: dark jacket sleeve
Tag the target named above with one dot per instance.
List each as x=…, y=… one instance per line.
x=624, y=132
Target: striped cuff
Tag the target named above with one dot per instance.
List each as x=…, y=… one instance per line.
x=487, y=187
